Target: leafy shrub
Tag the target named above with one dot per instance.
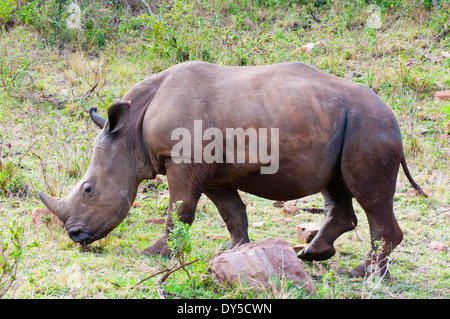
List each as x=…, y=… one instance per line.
x=6, y=11
x=12, y=180
x=11, y=250
x=49, y=18
x=180, y=239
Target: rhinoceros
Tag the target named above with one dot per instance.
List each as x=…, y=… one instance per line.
x=333, y=136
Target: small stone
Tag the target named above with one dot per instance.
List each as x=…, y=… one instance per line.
x=259, y=224
x=308, y=47
x=300, y=247
x=158, y=221
x=278, y=203
x=44, y=215
x=437, y=247
x=306, y=232
x=289, y=209
x=445, y=54
x=215, y=237
x=443, y=95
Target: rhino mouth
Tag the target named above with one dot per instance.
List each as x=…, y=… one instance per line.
x=78, y=235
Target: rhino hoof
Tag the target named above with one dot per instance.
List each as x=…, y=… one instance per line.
x=369, y=269
x=357, y=272
x=308, y=254
x=160, y=247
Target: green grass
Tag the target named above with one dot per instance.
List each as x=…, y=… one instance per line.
x=51, y=76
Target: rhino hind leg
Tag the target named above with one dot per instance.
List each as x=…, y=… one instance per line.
x=385, y=236
x=373, y=186
x=233, y=212
x=340, y=218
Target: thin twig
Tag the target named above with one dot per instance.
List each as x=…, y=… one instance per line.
x=314, y=210
x=148, y=7
x=92, y=89
x=313, y=16
x=445, y=28
x=161, y=292
x=114, y=283
x=356, y=232
x=437, y=213
x=151, y=276
x=171, y=271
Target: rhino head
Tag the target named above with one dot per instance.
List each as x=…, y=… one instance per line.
x=100, y=201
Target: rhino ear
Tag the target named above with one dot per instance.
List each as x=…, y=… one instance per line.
x=117, y=116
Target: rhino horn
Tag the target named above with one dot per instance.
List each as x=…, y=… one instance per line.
x=54, y=204
x=97, y=119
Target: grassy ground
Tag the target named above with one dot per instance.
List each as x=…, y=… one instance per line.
x=51, y=75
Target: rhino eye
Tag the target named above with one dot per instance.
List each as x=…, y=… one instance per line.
x=88, y=189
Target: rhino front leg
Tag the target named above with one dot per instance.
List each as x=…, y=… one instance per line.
x=184, y=187
x=186, y=212
x=233, y=212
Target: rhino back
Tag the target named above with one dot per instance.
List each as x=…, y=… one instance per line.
x=292, y=96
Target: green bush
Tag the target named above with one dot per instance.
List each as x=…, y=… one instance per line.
x=180, y=239
x=11, y=251
x=12, y=180
x=6, y=10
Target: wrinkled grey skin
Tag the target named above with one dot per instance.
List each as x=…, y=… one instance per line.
x=335, y=136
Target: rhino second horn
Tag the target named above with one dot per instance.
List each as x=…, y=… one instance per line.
x=54, y=204
x=97, y=119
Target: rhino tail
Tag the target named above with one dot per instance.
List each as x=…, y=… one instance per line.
x=411, y=180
